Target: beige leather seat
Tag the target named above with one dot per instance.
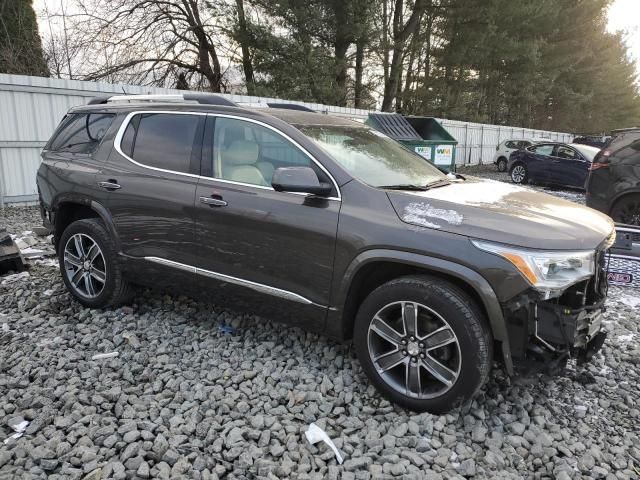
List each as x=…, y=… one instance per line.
x=239, y=163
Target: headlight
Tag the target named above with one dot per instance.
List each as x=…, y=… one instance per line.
x=548, y=271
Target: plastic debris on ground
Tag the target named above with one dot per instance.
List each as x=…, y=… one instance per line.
x=315, y=434
x=19, y=427
x=102, y=356
x=227, y=329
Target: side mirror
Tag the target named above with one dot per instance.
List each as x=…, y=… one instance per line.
x=299, y=179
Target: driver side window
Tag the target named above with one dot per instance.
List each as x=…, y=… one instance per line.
x=246, y=152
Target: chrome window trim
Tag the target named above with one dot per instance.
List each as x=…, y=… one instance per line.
x=125, y=123
x=259, y=287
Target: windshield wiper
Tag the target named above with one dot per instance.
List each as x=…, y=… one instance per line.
x=438, y=183
x=416, y=188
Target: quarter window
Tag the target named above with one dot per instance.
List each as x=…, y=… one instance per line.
x=246, y=152
x=81, y=132
x=163, y=140
x=511, y=144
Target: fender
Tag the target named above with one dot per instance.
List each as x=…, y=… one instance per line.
x=465, y=274
x=97, y=207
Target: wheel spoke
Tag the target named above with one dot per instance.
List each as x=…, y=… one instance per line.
x=389, y=360
x=441, y=337
x=77, y=239
x=413, y=378
x=93, y=252
x=410, y=318
x=88, y=284
x=71, y=259
x=386, y=331
x=99, y=275
x=77, y=276
x=439, y=371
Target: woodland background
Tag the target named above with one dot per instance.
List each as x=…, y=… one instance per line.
x=547, y=64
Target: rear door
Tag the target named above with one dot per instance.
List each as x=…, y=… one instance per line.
x=271, y=250
x=150, y=181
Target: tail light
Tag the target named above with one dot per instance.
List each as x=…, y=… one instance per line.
x=601, y=160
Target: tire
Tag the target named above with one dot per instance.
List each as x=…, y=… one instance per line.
x=627, y=210
x=502, y=164
x=519, y=174
x=103, y=272
x=381, y=339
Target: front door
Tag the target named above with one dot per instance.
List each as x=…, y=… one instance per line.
x=540, y=161
x=271, y=250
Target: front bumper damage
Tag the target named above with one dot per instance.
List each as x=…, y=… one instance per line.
x=544, y=334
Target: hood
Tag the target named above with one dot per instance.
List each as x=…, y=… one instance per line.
x=504, y=213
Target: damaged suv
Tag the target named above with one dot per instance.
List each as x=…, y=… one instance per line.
x=329, y=225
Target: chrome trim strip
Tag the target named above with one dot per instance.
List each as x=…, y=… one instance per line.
x=125, y=124
x=259, y=287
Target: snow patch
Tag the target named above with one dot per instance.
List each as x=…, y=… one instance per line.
x=421, y=213
x=630, y=301
x=16, y=277
x=626, y=338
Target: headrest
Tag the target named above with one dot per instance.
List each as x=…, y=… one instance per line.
x=240, y=152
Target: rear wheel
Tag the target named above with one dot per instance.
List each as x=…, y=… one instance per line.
x=423, y=343
x=519, y=173
x=89, y=267
x=627, y=210
x=502, y=164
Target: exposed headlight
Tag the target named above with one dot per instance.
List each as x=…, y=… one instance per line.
x=551, y=272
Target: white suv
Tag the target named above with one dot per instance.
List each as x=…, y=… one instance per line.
x=504, y=149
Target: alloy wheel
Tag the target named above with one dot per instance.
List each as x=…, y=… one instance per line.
x=518, y=174
x=414, y=350
x=84, y=265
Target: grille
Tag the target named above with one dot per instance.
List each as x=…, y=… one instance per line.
x=623, y=270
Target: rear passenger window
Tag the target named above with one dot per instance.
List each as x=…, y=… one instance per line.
x=163, y=140
x=80, y=132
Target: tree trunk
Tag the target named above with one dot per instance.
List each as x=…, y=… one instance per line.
x=341, y=44
x=359, y=70
x=243, y=38
x=400, y=35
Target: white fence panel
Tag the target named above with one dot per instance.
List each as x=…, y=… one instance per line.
x=31, y=107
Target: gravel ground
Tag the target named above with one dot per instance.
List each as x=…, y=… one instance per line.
x=199, y=391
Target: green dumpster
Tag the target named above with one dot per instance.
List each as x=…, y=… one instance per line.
x=424, y=135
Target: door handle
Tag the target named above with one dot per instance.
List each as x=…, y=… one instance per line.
x=109, y=185
x=213, y=201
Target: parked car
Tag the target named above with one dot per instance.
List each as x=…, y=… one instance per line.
x=552, y=164
x=506, y=148
x=598, y=141
x=329, y=225
x=614, y=180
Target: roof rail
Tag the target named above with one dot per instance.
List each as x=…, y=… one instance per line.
x=290, y=106
x=201, y=98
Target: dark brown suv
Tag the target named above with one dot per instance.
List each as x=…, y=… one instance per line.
x=327, y=224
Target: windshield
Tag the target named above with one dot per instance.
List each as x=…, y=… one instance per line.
x=588, y=151
x=372, y=157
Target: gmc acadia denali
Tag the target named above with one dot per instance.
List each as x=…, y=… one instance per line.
x=327, y=224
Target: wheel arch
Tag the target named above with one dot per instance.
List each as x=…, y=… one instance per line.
x=376, y=267
x=68, y=209
x=621, y=196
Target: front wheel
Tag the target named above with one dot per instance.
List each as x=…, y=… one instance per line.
x=423, y=343
x=519, y=173
x=627, y=210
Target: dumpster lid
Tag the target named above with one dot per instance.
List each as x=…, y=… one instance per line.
x=394, y=125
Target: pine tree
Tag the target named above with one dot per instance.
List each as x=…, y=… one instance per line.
x=20, y=45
